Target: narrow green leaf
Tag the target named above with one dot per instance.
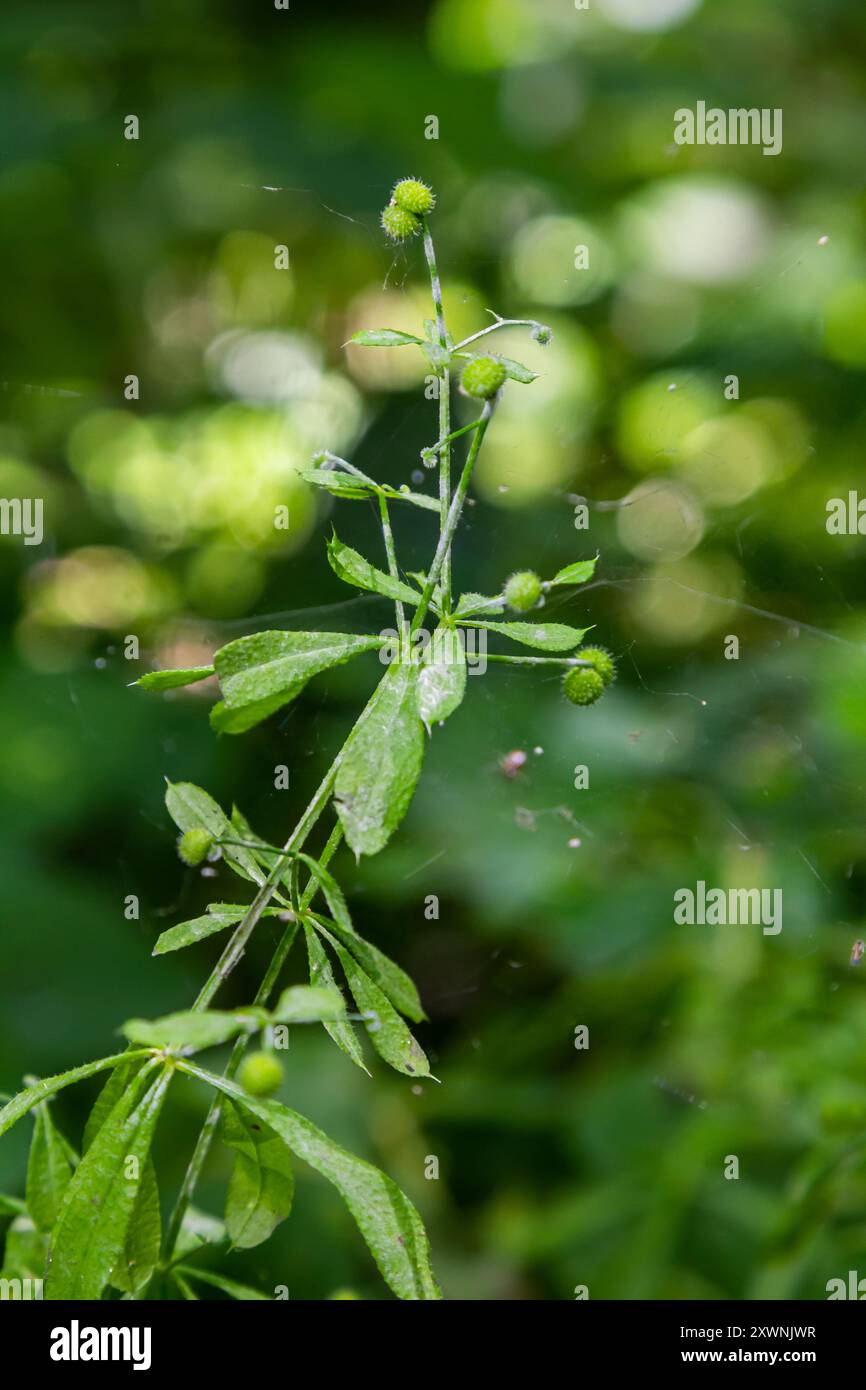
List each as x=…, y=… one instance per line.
x=383, y=337
x=340, y=484
x=170, y=680
x=352, y=568
x=193, y=809
x=192, y=1030
x=478, y=603
x=442, y=677
x=184, y=1286
x=308, y=1004
x=49, y=1170
x=25, y=1100
x=516, y=370
x=262, y=1183
x=266, y=665
x=224, y=720
x=418, y=499
x=386, y=1218
x=578, y=573
x=26, y=1252
x=197, y=1230
x=140, y=1254
x=11, y=1206
x=549, y=637
x=90, y=1235
x=120, y=1079
x=196, y=929
x=393, y=981
x=321, y=973
x=377, y=777
x=388, y=1033
x=242, y=1293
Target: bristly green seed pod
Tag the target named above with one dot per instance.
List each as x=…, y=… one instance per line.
x=414, y=196
x=583, y=686
x=398, y=223
x=260, y=1074
x=542, y=334
x=523, y=590
x=482, y=377
x=194, y=846
x=601, y=661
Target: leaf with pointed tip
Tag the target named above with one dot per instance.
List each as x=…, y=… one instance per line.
x=262, y=1183
x=388, y=1033
x=321, y=973
x=170, y=680
x=308, y=1004
x=418, y=499
x=549, y=637
x=90, y=1236
x=516, y=370
x=120, y=1079
x=217, y=918
x=242, y=1293
x=268, y=669
x=386, y=1218
x=578, y=573
x=383, y=337
x=197, y=1230
x=339, y=484
x=192, y=809
x=192, y=1030
x=382, y=763
x=49, y=1170
x=478, y=603
x=442, y=677
x=352, y=568
x=11, y=1206
x=392, y=981
x=40, y=1090
x=225, y=720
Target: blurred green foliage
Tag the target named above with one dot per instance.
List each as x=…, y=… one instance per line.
x=155, y=257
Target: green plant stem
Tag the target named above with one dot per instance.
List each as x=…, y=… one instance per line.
x=454, y=511
x=455, y=434
x=492, y=327
x=533, y=660
x=444, y=411
x=212, y=1119
x=390, y=552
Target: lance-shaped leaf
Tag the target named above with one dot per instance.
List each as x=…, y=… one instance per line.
x=478, y=603
x=392, y=981
x=442, y=677
x=170, y=680
x=140, y=1254
x=217, y=918
x=578, y=573
x=352, y=568
x=49, y=1170
x=11, y=1206
x=225, y=720
x=516, y=370
x=418, y=499
x=26, y=1251
x=549, y=637
x=40, y=1090
x=308, y=1004
x=321, y=973
x=262, y=1183
x=386, y=1218
x=388, y=1033
x=197, y=1230
x=192, y=809
x=377, y=776
x=192, y=1031
x=242, y=1293
x=383, y=337
x=339, y=484
x=268, y=665
x=119, y=1081
x=90, y=1235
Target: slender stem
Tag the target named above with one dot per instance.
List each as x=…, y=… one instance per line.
x=388, y=537
x=208, y=1129
x=492, y=327
x=444, y=412
x=455, y=434
x=533, y=660
x=454, y=511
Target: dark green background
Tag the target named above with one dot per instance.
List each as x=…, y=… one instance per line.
x=558, y=1167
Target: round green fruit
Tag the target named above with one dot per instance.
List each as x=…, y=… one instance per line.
x=482, y=377
x=194, y=846
x=523, y=590
x=601, y=661
x=414, y=196
x=398, y=223
x=583, y=686
x=260, y=1074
